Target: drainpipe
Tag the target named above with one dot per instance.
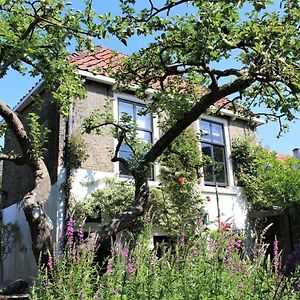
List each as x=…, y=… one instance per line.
x=68, y=178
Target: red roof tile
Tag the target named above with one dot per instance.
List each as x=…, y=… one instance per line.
x=99, y=60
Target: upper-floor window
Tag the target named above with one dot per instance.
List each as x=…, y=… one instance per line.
x=143, y=123
x=213, y=145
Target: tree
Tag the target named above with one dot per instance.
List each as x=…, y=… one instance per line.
x=34, y=39
x=188, y=52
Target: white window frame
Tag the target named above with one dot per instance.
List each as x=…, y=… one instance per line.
x=155, y=129
x=229, y=170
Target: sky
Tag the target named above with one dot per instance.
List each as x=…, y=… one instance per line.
x=14, y=86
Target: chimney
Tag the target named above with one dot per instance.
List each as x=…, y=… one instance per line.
x=296, y=153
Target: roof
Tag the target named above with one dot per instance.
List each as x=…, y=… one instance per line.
x=97, y=61
x=102, y=59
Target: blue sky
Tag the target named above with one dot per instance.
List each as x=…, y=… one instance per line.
x=14, y=86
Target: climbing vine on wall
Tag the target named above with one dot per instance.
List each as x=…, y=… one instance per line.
x=267, y=181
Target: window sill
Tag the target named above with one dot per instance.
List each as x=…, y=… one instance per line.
x=230, y=190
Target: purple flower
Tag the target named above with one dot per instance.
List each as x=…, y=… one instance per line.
x=82, y=297
x=124, y=252
x=130, y=266
x=238, y=244
x=50, y=261
x=276, y=260
x=181, y=238
x=109, y=267
x=119, y=246
x=96, y=297
x=70, y=232
x=81, y=235
x=115, y=291
x=212, y=245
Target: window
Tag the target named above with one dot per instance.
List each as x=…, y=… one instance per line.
x=144, y=127
x=213, y=145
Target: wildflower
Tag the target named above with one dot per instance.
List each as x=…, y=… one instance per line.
x=96, y=297
x=119, y=246
x=115, y=291
x=208, y=198
x=70, y=232
x=112, y=251
x=82, y=297
x=195, y=250
x=238, y=244
x=212, y=245
x=50, y=261
x=130, y=266
x=276, y=260
x=198, y=181
x=109, y=267
x=181, y=180
x=81, y=235
x=225, y=226
x=124, y=252
x=181, y=238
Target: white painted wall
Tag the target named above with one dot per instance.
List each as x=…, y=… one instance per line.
x=20, y=263
x=232, y=205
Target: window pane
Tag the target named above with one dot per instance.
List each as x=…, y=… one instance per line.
x=144, y=136
x=206, y=149
x=205, y=131
x=218, y=154
x=208, y=175
x=220, y=174
x=143, y=121
x=127, y=108
x=125, y=147
x=125, y=155
x=217, y=133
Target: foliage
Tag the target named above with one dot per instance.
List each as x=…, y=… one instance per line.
x=38, y=135
x=211, y=267
x=77, y=151
x=176, y=203
x=267, y=181
x=264, y=43
x=9, y=234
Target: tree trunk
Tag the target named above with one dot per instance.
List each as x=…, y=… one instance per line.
x=39, y=223
x=34, y=201
x=122, y=220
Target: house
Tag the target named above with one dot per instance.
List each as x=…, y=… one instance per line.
x=219, y=132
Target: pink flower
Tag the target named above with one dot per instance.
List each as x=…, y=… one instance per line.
x=225, y=226
x=70, y=232
x=112, y=251
x=124, y=252
x=208, y=198
x=130, y=266
x=198, y=181
x=181, y=180
x=181, y=238
x=81, y=235
x=109, y=267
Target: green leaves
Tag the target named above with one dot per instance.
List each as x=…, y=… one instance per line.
x=267, y=181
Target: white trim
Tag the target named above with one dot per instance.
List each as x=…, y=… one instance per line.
x=229, y=168
x=229, y=113
x=27, y=98
x=111, y=81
